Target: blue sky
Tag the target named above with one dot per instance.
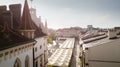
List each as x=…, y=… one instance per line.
x=67, y=13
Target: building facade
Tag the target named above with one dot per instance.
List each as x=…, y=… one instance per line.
x=22, y=42
x=40, y=49
x=102, y=51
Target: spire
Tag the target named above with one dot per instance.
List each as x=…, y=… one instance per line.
x=45, y=23
x=27, y=27
x=27, y=23
x=46, y=28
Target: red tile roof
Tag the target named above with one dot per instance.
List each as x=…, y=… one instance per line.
x=27, y=23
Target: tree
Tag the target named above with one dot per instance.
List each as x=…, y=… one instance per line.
x=49, y=40
x=52, y=35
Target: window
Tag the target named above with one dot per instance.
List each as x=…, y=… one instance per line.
x=17, y=63
x=36, y=64
x=40, y=46
x=35, y=49
x=27, y=61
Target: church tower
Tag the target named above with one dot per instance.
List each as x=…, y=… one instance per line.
x=27, y=27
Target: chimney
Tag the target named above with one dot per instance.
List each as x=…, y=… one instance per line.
x=8, y=17
x=2, y=9
x=16, y=10
x=112, y=33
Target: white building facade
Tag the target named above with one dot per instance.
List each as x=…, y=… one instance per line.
x=24, y=49
x=40, y=52
x=40, y=48
x=102, y=52
x=19, y=56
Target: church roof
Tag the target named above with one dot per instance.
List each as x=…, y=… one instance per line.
x=11, y=38
x=27, y=23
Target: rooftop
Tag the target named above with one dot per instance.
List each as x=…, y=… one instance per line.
x=11, y=38
x=98, y=42
x=61, y=57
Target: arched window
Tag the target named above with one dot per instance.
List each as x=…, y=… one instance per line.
x=27, y=61
x=17, y=63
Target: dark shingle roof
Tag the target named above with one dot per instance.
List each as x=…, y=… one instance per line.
x=11, y=38
x=38, y=32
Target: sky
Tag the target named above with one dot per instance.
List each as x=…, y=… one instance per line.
x=70, y=13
